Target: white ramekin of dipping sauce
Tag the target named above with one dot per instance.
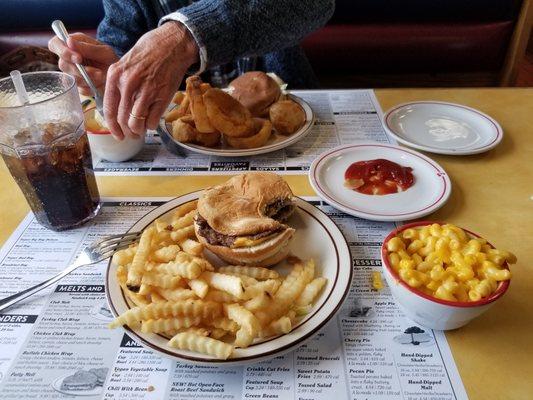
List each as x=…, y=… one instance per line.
x=104, y=145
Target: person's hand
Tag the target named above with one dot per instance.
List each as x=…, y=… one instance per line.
x=83, y=49
x=141, y=84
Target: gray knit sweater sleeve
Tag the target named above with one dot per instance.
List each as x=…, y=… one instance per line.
x=125, y=21
x=228, y=29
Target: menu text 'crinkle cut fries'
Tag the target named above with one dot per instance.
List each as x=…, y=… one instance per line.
x=179, y=294
x=444, y=262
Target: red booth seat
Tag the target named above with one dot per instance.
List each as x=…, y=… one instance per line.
x=408, y=47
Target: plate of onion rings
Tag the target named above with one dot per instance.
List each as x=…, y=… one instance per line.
x=227, y=123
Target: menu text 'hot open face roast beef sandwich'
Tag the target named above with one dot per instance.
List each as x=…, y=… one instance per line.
x=242, y=220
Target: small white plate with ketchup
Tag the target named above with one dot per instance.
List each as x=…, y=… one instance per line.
x=380, y=182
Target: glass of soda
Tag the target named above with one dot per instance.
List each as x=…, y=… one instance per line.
x=44, y=145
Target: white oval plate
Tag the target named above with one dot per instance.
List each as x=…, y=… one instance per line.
x=276, y=141
x=430, y=191
x=316, y=237
x=443, y=128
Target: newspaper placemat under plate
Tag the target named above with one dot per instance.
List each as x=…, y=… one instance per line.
x=364, y=351
x=341, y=117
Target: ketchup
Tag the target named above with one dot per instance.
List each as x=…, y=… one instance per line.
x=378, y=177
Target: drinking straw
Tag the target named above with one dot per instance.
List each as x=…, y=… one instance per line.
x=22, y=95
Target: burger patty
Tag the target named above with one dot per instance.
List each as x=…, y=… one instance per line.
x=218, y=239
x=279, y=209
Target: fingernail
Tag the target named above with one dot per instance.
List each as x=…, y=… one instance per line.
x=118, y=138
x=77, y=59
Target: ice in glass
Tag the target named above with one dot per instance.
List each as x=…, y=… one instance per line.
x=47, y=151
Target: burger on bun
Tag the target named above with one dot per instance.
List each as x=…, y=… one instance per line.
x=256, y=91
x=242, y=220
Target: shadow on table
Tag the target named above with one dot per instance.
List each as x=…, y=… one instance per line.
x=506, y=147
x=453, y=206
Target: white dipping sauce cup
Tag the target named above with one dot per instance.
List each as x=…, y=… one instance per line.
x=105, y=146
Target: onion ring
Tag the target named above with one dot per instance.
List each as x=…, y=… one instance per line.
x=227, y=115
x=255, y=141
x=179, y=111
x=178, y=97
x=211, y=139
x=198, y=108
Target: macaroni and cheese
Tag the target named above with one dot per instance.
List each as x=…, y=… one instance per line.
x=446, y=263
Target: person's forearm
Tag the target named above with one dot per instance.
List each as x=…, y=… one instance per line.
x=228, y=29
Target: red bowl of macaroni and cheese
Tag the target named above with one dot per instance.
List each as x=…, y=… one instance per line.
x=443, y=276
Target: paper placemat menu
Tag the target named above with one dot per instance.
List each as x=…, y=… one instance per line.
x=57, y=344
x=342, y=117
